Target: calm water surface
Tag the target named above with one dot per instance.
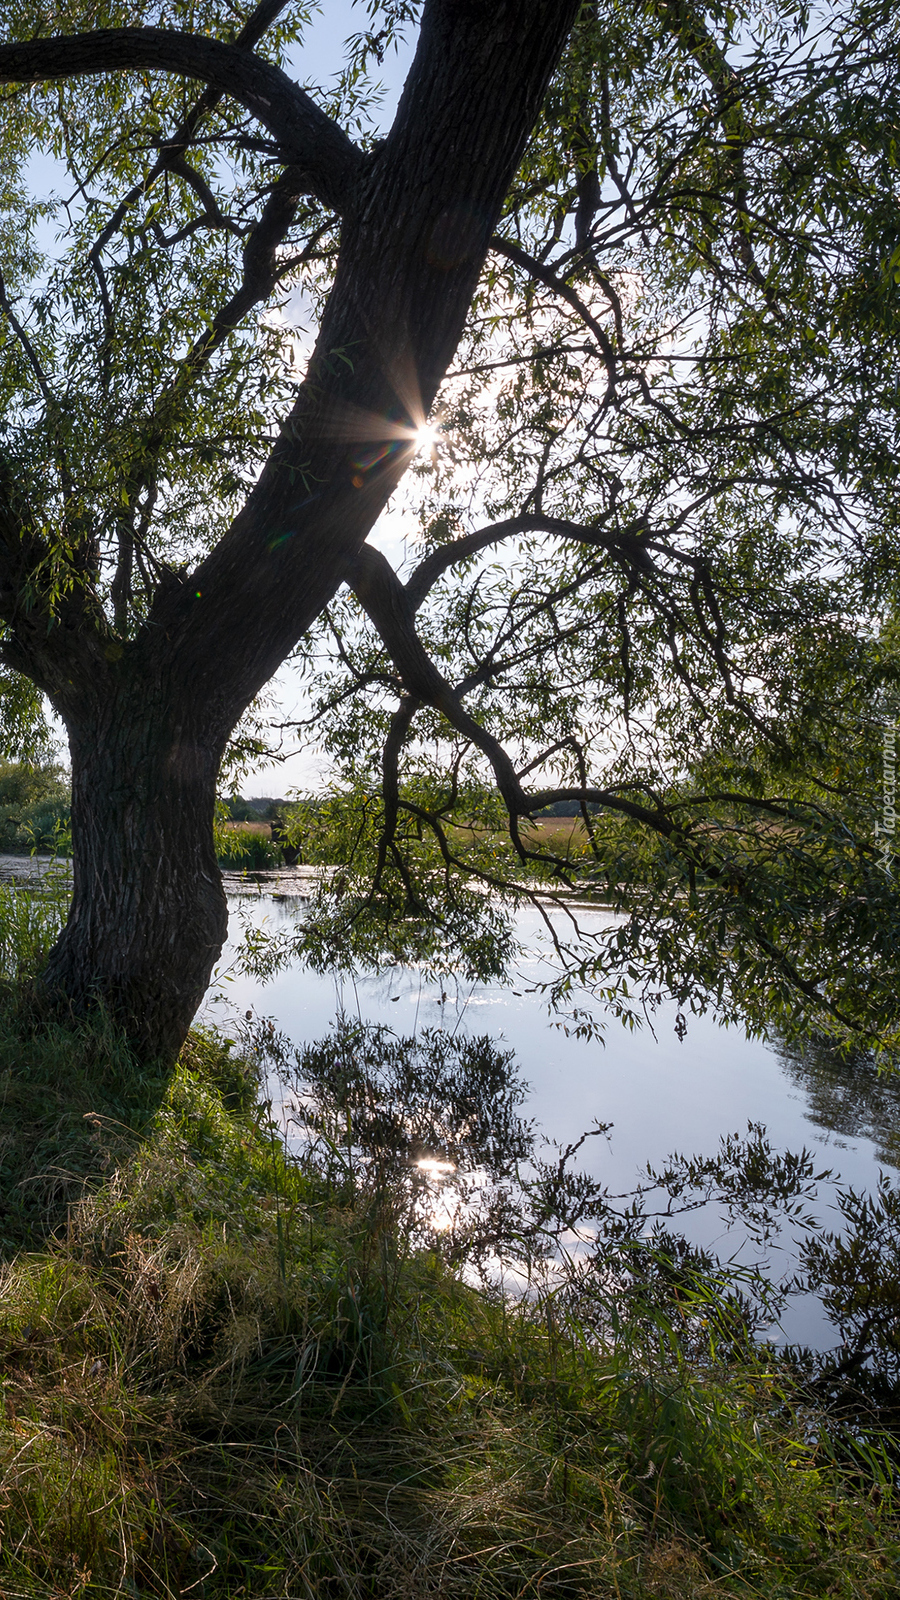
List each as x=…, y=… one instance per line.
x=660, y=1093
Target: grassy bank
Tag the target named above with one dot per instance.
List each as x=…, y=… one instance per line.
x=232, y=1374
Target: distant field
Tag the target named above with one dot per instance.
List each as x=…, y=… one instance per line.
x=263, y=830
x=560, y=833
x=566, y=836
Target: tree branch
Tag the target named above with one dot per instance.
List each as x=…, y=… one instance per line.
x=544, y=275
x=689, y=27
x=47, y=642
x=382, y=597
x=261, y=272
x=412, y=248
x=175, y=146
x=306, y=137
x=624, y=545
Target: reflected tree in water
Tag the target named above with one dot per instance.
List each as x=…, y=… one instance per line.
x=846, y=1095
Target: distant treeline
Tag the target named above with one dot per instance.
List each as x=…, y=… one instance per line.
x=262, y=808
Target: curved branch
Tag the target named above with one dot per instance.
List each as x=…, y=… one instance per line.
x=212, y=211
x=384, y=600
x=401, y=722
x=251, y=33
x=623, y=545
x=261, y=272
x=306, y=137
x=542, y=274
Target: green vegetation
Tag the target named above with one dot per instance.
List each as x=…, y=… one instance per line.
x=247, y=848
x=263, y=808
x=227, y=1371
x=249, y=834
x=29, y=922
x=640, y=406
x=233, y=1370
x=34, y=808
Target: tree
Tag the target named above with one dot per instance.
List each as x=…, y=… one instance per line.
x=34, y=805
x=151, y=666
x=687, y=318
x=695, y=488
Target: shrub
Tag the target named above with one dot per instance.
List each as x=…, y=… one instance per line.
x=34, y=808
x=246, y=848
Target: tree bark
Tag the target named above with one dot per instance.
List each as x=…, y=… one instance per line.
x=148, y=718
x=148, y=916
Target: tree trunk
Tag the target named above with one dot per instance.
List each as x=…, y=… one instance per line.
x=148, y=717
x=148, y=914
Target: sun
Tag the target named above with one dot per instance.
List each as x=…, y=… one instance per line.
x=425, y=440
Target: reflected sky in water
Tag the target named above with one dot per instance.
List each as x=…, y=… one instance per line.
x=847, y=1100
x=661, y=1094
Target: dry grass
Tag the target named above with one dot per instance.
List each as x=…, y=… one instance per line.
x=231, y=1376
x=565, y=836
x=562, y=836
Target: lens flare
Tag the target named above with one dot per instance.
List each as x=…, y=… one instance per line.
x=425, y=439
x=435, y=1167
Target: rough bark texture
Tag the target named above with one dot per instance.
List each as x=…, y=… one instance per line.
x=148, y=915
x=148, y=719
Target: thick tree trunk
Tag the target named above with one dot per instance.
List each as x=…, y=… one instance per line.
x=148, y=914
x=148, y=717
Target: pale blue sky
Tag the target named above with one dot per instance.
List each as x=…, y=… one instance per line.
x=316, y=62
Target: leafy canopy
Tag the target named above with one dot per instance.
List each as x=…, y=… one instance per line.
x=653, y=569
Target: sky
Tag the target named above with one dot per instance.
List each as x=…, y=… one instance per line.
x=320, y=56
x=318, y=60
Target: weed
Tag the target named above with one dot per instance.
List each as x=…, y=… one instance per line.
x=246, y=849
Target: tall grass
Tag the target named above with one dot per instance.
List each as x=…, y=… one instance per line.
x=231, y=1373
x=30, y=920
x=246, y=848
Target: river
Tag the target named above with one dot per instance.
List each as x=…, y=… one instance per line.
x=661, y=1093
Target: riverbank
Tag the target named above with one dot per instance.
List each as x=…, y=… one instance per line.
x=237, y=1372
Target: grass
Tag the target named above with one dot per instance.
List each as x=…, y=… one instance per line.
x=246, y=846
x=72, y=1105
x=29, y=923
x=71, y=1095
x=226, y=1372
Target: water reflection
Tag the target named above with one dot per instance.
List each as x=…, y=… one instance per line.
x=660, y=1093
x=655, y=1092
x=29, y=872
x=849, y=1097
